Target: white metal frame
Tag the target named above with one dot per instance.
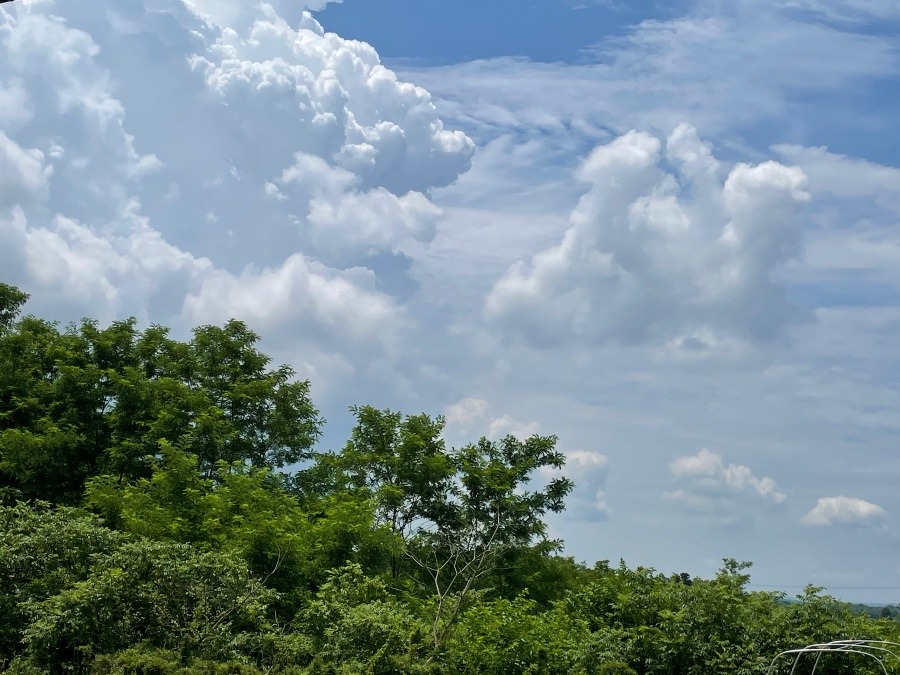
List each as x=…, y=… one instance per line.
x=879, y=650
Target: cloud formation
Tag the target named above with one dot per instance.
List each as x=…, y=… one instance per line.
x=709, y=485
x=589, y=471
x=472, y=416
x=339, y=103
x=843, y=510
x=656, y=254
x=254, y=116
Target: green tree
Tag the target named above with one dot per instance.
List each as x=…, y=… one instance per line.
x=43, y=551
x=245, y=412
x=166, y=595
x=91, y=401
x=245, y=511
x=485, y=511
x=510, y=636
x=357, y=626
x=11, y=301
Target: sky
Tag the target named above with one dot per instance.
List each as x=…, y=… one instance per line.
x=666, y=232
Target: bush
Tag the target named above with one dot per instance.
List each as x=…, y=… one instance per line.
x=615, y=668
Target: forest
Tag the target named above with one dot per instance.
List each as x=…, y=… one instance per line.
x=164, y=508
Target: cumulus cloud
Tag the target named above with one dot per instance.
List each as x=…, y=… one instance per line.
x=466, y=411
x=506, y=425
x=60, y=67
x=343, y=133
x=845, y=511
x=656, y=254
x=473, y=416
x=335, y=307
x=709, y=465
x=589, y=470
x=23, y=176
x=72, y=223
x=710, y=486
x=104, y=274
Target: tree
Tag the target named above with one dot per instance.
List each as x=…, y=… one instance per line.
x=487, y=509
x=242, y=411
x=241, y=510
x=161, y=594
x=397, y=462
x=43, y=551
x=510, y=636
x=91, y=401
x=11, y=301
x=357, y=626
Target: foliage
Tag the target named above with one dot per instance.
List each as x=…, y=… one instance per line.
x=167, y=595
x=357, y=626
x=43, y=552
x=510, y=636
x=395, y=555
x=91, y=401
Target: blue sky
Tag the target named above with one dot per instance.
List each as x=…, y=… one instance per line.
x=448, y=31
x=665, y=232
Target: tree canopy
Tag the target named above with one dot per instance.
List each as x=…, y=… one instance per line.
x=164, y=509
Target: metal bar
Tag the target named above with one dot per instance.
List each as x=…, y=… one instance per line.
x=876, y=650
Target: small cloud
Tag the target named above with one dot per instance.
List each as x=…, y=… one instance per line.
x=728, y=494
x=273, y=191
x=590, y=471
x=587, y=459
x=844, y=511
x=473, y=415
x=142, y=165
x=507, y=426
x=466, y=411
x=212, y=218
x=707, y=469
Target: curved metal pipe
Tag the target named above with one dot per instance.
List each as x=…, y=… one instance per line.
x=876, y=650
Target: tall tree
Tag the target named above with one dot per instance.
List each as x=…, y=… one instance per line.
x=244, y=411
x=11, y=301
x=489, y=509
x=89, y=401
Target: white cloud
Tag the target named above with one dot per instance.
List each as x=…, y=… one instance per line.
x=653, y=255
x=709, y=469
x=844, y=511
x=466, y=411
x=506, y=425
x=473, y=416
x=23, y=176
x=711, y=484
x=372, y=221
x=237, y=13
x=330, y=306
x=837, y=175
x=335, y=100
x=107, y=275
x=59, y=63
x=302, y=122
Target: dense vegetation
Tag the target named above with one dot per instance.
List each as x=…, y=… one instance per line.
x=163, y=510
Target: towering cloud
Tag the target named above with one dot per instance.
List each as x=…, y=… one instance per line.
x=664, y=246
